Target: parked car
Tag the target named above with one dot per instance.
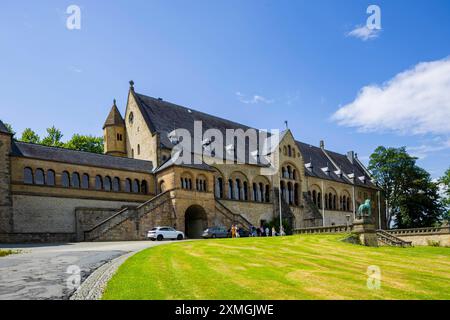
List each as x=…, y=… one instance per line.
x=215, y=232
x=242, y=233
x=161, y=233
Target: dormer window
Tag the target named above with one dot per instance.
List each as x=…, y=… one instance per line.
x=362, y=179
x=338, y=173
x=326, y=170
x=131, y=118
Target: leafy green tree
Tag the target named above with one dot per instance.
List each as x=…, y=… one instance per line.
x=412, y=198
x=445, y=181
x=29, y=135
x=9, y=128
x=53, y=138
x=85, y=143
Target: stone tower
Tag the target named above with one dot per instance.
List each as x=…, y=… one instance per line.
x=114, y=133
x=6, y=211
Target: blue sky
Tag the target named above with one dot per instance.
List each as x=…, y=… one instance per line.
x=255, y=62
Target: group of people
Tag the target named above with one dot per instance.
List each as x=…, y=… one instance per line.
x=257, y=232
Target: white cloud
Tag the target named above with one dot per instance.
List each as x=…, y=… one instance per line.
x=364, y=33
x=75, y=69
x=416, y=101
x=422, y=151
x=252, y=100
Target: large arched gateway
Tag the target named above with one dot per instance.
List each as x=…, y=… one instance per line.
x=195, y=221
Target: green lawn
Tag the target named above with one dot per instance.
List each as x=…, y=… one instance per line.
x=297, y=267
x=4, y=253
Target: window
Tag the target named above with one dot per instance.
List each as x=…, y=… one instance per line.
x=219, y=188
x=39, y=177
x=296, y=193
x=132, y=153
x=162, y=186
x=230, y=189
x=289, y=151
x=144, y=187
x=85, y=181
x=267, y=193
x=28, y=176
x=116, y=184
x=50, y=178
x=255, y=192
x=139, y=149
x=135, y=186
x=107, y=184
x=245, y=191
x=119, y=137
x=131, y=118
x=65, y=179
x=98, y=183
x=75, y=180
x=127, y=185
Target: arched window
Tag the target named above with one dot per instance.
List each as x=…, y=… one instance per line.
x=289, y=151
x=75, y=180
x=190, y=184
x=219, y=188
x=255, y=192
x=144, y=188
x=127, y=185
x=283, y=190
x=50, y=178
x=65, y=179
x=319, y=200
x=230, y=189
x=326, y=201
x=334, y=202
x=283, y=172
x=98, y=183
x=340, y=203
x=267, y=193
x=107, y=183
x=296, y=194
x=238, y=189
x=348, y=204
x=85, y=181
x=261, y=192
x=162, y=186
x=285, y=150
x=344, y=203
x=330, y=201
x=116, y=184
x=139, y=149
x=314, y=198
x=135, y=187
x=28, y=176
x=290, y=194
x=39, y=177
x=245, y=191
x=289, y=172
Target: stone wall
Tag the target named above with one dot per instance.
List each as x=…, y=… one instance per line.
x=40, y=214
x=424, y=236
x=87, y=218
x=5, y=184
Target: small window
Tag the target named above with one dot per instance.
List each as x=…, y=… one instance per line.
x=128, y=185
x=50, y=178
x=144, y=187
x=65, y=179
x=116, y=184
x=107, y=183
x=131, y=118
x=28, y=176
x=135, y=187
x=39, y=177
x=98, y=183
x=85, y=181
x=75, y=180
x=119, y=137
x=139, y=149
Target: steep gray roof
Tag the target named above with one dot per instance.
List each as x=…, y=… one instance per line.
x=3, y=128
x=170, y=162
x=36, y=151
x=163, y=117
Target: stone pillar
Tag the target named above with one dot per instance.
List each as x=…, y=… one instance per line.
x=364, y=227
x=6, y=211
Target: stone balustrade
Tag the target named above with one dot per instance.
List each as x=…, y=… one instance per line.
x=328, y=229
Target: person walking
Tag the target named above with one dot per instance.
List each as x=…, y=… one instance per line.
x=267, y=231
x=233, y=231
x=274, y=232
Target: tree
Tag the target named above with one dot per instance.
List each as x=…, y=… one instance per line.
x=53, y=138
x=445, y=181
x=10, y=128
x=412, y=198
x=29, y=135
x=85, y=143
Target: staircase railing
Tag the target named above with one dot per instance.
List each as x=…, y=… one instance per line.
x=235, y=217
x=122, y=215
x=392, y=240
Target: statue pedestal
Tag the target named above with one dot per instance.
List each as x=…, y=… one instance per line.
x=364, y=227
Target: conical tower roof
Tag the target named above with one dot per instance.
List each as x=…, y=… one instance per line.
x=114, y=118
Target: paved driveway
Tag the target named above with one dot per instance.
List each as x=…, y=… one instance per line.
x=43, y=271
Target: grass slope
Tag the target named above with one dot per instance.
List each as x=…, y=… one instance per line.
x=4, y=253
x=297, y=267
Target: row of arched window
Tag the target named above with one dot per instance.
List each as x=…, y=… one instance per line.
x=74, y=180
x=289, y=173
x=331, y=201
x=289, y=151
x=290, y=193
x=238, y=189
x=186, y=183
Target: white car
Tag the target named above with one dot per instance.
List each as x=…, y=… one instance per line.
x=161, y=233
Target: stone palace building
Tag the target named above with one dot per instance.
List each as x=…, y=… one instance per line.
x=54, y=194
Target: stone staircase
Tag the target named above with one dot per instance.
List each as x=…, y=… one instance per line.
x=234, y=218
x=134, y=213
x=391, y=240
x=312, y=214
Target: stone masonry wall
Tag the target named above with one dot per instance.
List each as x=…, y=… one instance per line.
x=5, y=184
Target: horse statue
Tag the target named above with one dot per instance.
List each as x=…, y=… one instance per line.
x=365, y=209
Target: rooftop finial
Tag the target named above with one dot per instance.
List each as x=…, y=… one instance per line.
x=131, y=84
x=286, y=124
x=114, y=102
